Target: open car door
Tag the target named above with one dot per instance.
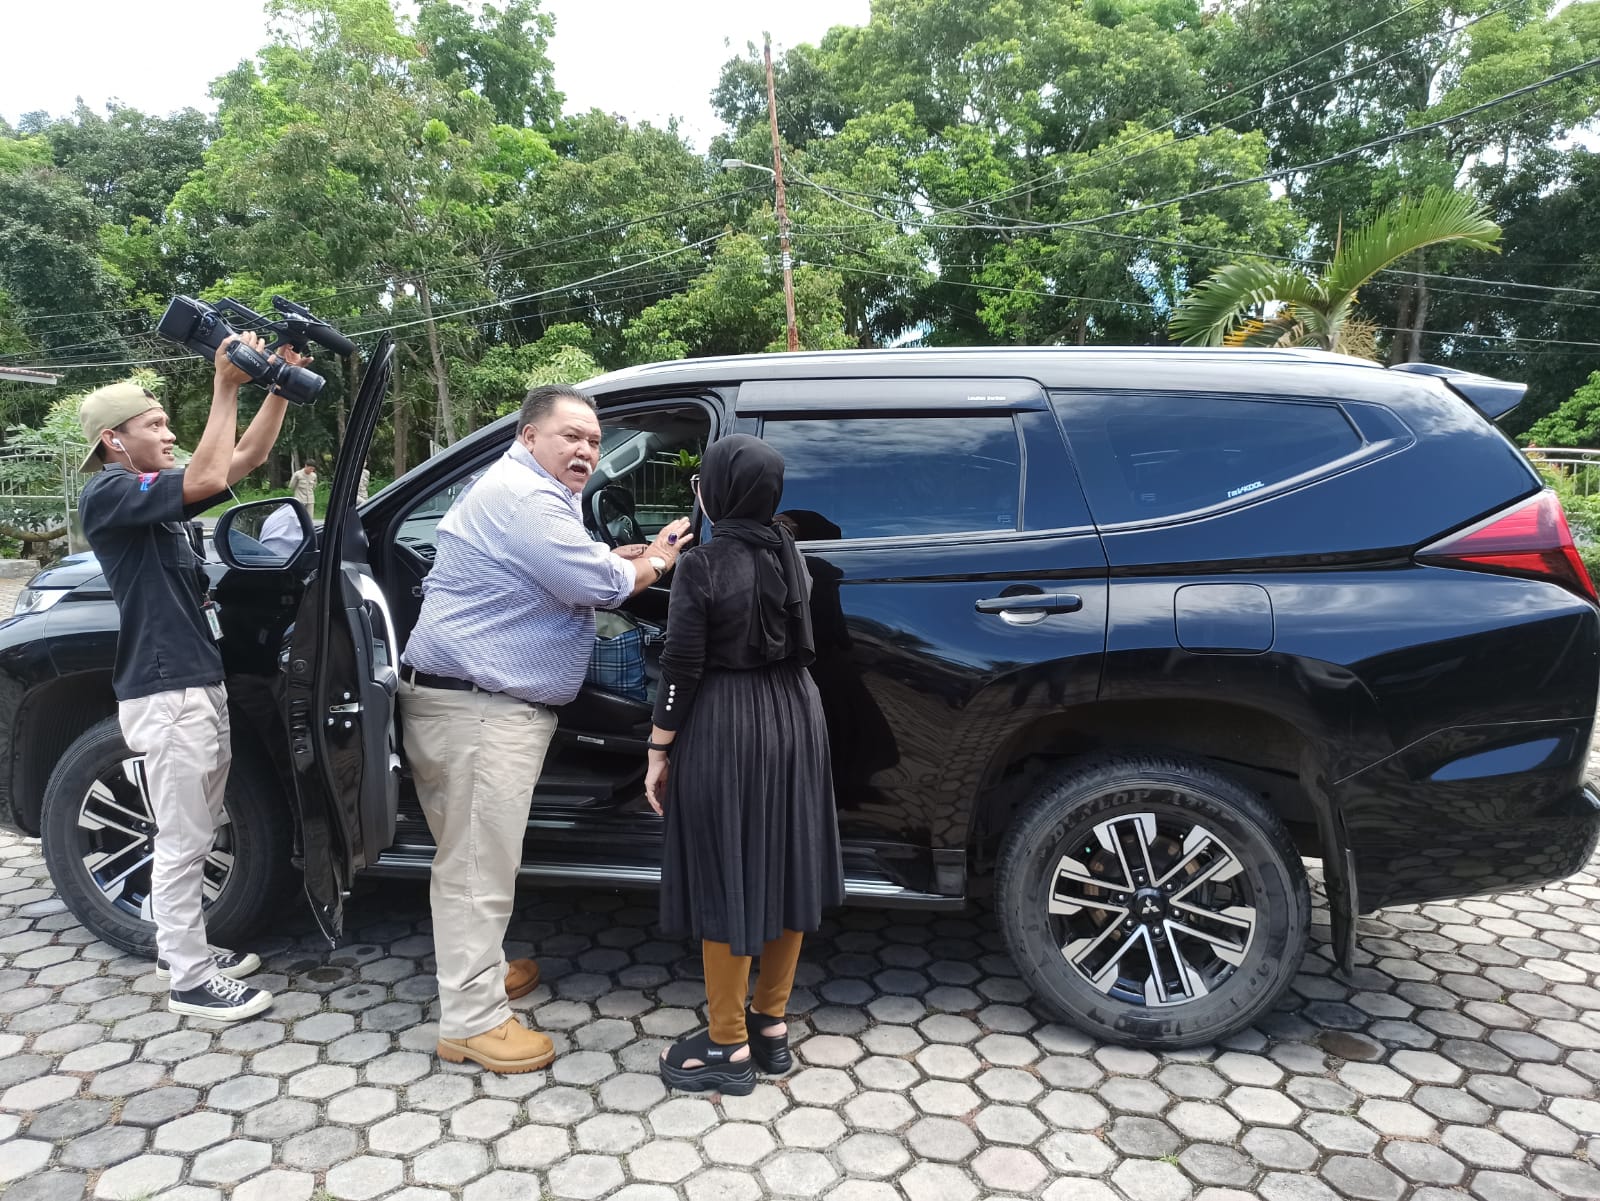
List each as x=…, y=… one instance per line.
x=340, y=684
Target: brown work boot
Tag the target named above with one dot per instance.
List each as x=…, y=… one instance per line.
x=522, y=977
x=508, y=1048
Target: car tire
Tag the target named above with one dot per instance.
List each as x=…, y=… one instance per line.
x=1216, y=860
x=94, y=785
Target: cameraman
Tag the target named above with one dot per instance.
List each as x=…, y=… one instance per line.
x=168, y=680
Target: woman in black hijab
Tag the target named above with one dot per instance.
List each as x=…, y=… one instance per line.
x=751, y=853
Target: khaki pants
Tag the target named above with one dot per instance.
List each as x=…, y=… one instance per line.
x=475, y=757
x=184, y=738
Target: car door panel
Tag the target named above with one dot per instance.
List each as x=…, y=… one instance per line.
x=340, y=684
x=922, y=667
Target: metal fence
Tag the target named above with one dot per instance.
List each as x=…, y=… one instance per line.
x=39, y=493
x=1580, y=464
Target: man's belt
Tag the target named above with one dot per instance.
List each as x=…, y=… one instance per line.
x=423, y=679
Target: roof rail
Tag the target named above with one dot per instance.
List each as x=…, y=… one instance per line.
x=1494, y=398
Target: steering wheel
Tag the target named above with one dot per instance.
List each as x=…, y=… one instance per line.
x=612, y=507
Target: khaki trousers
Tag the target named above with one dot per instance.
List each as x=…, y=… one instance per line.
x=184, y=738
x=475, y=757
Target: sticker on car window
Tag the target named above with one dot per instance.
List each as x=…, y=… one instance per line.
x=1241, y=491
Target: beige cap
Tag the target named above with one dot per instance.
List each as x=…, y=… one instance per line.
x=105, y=409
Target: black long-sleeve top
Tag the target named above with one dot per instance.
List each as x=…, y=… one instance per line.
x=708, y=624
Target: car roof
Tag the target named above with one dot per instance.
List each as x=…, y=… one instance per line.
x=1292, y=371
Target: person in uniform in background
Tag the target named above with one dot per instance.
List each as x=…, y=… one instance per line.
x=304, y=485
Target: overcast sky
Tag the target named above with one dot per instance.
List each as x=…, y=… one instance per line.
x=644, y=59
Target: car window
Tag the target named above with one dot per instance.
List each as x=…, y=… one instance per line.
x=419, y=528
x=1143, y=457
x=878, y=477
x=647, y=460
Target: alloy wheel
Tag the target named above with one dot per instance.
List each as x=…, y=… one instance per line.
x=1152, y=909
x=116, y=831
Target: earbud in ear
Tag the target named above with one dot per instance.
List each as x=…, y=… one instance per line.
x=117, y=442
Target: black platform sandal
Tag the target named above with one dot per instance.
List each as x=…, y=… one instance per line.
x=770, y=1051
x=717, y=1073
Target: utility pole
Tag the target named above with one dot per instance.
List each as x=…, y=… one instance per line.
x=782, y=208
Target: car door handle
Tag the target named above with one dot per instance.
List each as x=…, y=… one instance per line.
x=1030, y=608
x=1033, y=602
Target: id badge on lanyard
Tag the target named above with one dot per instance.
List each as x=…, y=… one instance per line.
x=202, y=582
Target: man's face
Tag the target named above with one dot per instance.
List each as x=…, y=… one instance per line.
x=146, y=442
x=566, y=443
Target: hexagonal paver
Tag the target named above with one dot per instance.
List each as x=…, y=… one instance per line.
x=1362, y=1178
x=361, y=1106
x=1010, y=1169
x=809, y=1127
x=1423, y=1163
x=942, y=1139
x=365, y=1177
x=1076, y=1153
x=585, y=1177
x=1010, y=1125
x=1262, y=1106
x=938, y=1182
x=664, y=1161
x=877, y=1156
x=139, y=1178
x=535, y=1146
x=450, y=1165
x=798, y=1173
x=193, y=1132
x=723, y=1184
x=1151, y=1180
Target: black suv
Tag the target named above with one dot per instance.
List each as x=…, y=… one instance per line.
x=1120, y=633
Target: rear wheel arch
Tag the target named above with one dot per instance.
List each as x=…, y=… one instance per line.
x=1199, y=945
x=1276, y=759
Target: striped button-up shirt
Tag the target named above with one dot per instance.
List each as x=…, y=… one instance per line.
x=509, y=604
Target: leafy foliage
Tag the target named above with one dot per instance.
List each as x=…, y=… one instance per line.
x=1317, y=310
x=959, y=173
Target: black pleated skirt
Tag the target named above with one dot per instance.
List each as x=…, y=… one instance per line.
x=752, y=836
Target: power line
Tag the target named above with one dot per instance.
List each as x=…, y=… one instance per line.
x=497, y=257
x=1264, y=177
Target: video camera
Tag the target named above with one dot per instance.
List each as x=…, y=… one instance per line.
x=202, y=329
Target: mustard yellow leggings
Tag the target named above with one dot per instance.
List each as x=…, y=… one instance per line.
x=728, y=982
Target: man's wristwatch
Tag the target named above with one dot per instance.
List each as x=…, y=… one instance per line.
x=659, y=564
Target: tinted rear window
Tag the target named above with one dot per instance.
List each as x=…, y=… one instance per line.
x=1143, y=457
x=879, y=477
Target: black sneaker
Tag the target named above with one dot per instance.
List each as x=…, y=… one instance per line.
x=229, y=963
x=221, y=998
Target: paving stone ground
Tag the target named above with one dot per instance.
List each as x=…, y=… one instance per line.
x=1462, y=1060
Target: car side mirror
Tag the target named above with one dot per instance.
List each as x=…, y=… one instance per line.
x=264, y=535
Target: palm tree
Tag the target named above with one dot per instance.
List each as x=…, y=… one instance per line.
x=1318, y=310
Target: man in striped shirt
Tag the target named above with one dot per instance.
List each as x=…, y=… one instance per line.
x=505, y=632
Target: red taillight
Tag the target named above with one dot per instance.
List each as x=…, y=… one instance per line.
x=1529, y=539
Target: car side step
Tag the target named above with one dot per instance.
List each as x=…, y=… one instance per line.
x=860, y=889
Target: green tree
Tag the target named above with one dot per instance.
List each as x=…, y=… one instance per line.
x=1576, y=422
x=737, y=307
x=1319, y=310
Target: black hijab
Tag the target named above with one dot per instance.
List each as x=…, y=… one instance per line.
x=741, y=480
